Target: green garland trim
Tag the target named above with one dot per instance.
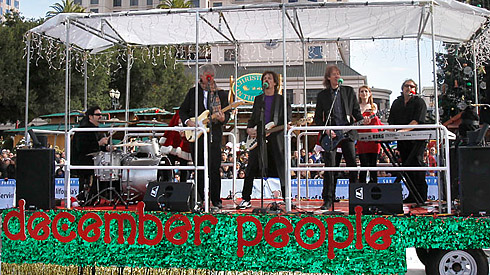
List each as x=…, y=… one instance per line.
x=218, y=250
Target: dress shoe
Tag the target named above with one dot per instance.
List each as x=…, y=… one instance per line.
x=409, y=199
x=326, y=205
x=218, y=205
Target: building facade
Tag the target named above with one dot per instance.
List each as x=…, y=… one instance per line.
x=8, y=5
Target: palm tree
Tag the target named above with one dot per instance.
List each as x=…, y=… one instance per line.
x=174, y=4
x=66, y=6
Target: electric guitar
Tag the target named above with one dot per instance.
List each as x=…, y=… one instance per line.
x=270, y=128
x=203, y=119
x=329, y=144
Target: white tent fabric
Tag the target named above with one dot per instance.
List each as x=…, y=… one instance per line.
x=453, y=22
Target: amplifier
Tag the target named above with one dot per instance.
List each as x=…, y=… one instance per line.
x=376, y=198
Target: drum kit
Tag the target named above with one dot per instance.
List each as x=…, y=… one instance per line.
x=132, y=182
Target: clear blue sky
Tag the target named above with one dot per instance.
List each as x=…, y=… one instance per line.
x=385, y=63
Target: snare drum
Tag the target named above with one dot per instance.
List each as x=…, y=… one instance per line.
x=108, y=159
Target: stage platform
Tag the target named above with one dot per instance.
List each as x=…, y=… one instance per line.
x=302, y=207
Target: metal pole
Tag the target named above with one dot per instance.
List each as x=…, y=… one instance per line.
x=419, y=62
x=287, y=196
x=128, y=92
x=27, y=87
x=67, y=88
x=85, y=81
x=235, y=128
x=475, y=75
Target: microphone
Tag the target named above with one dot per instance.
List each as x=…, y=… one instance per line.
x=209, y=78
x=340, y=81
x=265, y=85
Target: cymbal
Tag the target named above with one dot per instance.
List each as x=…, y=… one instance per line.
x=132, y=144
x=113, y=120
x=154, y=121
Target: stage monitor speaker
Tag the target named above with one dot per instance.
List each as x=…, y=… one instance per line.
x=375, y=198
x=35, y=178
x=169, y=196
x=474, y=172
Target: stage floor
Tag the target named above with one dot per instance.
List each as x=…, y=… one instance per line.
x=301, y=207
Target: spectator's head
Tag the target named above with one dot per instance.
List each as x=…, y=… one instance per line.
x=241, y=174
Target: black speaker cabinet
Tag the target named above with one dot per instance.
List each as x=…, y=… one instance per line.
x=169, y=196
x=474, y=173
x=376, y=198
x=35, y=178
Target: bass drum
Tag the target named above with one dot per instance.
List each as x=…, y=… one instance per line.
x=134, y=181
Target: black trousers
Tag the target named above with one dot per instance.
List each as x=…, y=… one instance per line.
x=349, y=153
x=412, y=154
x=368, y=160
x=275, y=168
x=214, y=162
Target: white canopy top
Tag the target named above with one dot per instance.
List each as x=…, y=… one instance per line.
x=453, y=22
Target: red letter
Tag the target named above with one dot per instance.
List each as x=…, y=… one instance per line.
x=358, y=210
x=310, y=233
x=54, y=227
x=43, y=224
x=95, y=227
x=331, y=242
x=182, y=230
x=382, y=234
x=282, y=232
x=21, y=235
x=241, y=241
x=206, y=229
x=120, y=224
x=141, y=226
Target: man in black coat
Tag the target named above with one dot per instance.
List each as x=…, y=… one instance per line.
x=337, y=106
x=268, y=107
x=212, y=99
x=83, y=145
x=409, y=109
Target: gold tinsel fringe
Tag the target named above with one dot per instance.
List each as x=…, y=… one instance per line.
x=51, y=269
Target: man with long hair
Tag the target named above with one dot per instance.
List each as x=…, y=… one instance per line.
x=337, y=105
x=268, y=107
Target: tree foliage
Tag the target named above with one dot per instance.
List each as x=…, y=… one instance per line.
x=174, y=4
x=66, y=6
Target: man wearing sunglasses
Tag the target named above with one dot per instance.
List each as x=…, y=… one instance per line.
x=410, y=109
x=83, y=144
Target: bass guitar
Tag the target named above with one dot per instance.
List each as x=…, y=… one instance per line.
x=203, y=119
x=329, y=144
x=270, y=128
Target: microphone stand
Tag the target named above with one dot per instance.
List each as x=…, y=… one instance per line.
x=262, y=159
x=329, y=117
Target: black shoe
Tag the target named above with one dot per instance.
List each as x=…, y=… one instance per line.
x=218, y=205
x=326, y=205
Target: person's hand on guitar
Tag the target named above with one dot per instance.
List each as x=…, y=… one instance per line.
x=252, y=132
x=190, y=123
x=220, y=116
x=366, y=120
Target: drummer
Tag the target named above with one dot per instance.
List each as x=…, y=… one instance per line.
x=83, y=145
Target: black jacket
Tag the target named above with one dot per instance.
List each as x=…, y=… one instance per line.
x=84, y=143
x=256, y=118
x=187, y=108
x=349, y=102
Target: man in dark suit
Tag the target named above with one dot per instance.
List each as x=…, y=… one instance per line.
x=83, y=144
x=337, y=106
x=212, y=99
x=268, y=107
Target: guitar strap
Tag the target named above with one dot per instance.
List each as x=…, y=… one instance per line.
x=276, y=109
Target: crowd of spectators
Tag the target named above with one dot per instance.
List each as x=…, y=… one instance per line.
x=7, y=169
